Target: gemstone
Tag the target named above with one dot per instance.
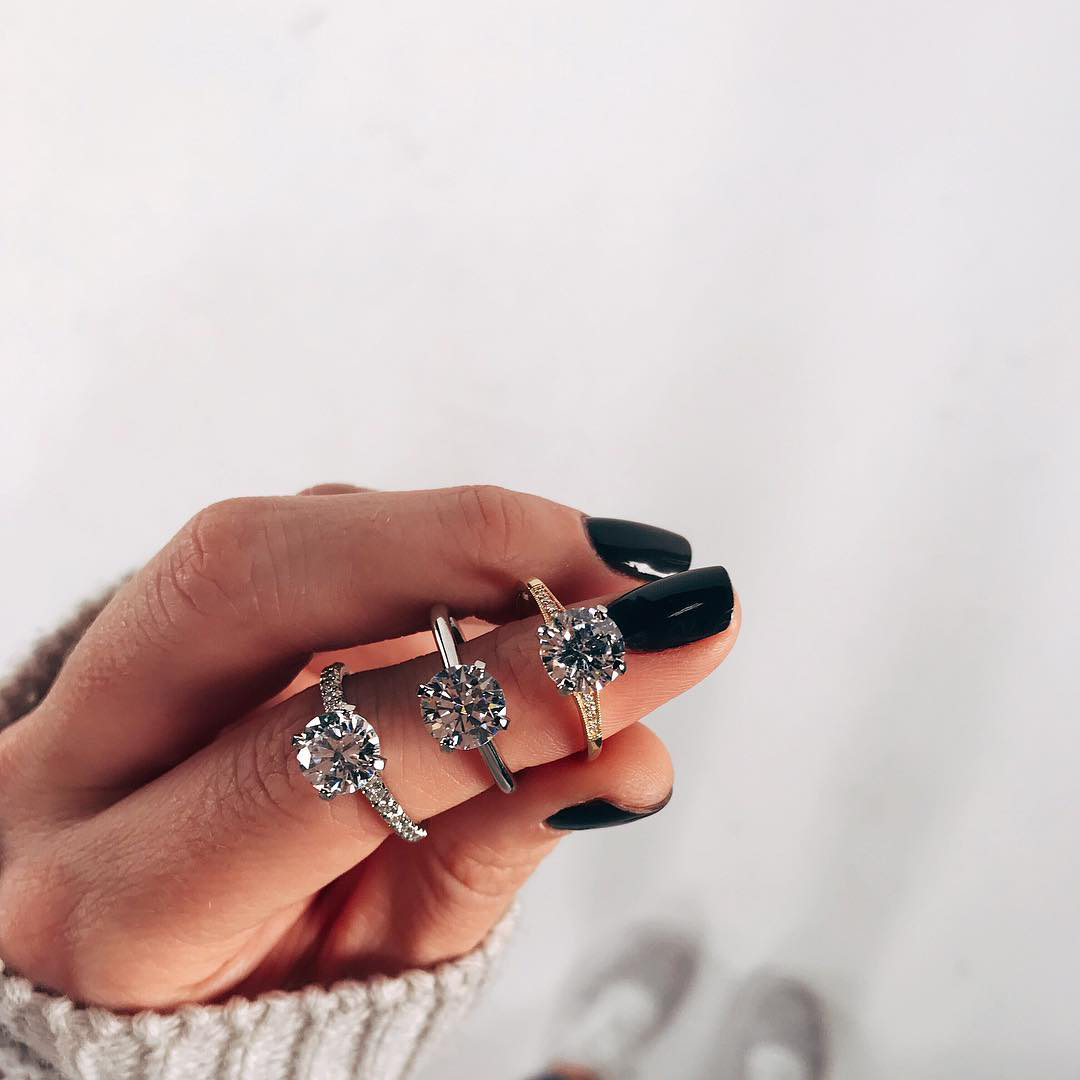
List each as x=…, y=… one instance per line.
x=463, y=706
x=338, y=752
x=582, y=649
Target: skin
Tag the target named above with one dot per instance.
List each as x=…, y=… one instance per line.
x=158, y=843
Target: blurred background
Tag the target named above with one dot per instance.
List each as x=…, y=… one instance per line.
x=797, y=280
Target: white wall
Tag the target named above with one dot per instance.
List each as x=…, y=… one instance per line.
x=800, y=280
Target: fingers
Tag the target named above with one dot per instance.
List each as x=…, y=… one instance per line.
x=461, y=880
x=230, y=610
x=274, y=841
x=408, y=905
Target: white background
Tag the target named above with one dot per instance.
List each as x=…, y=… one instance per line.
x=799, y=280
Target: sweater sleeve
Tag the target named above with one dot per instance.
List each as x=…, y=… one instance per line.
x=377, y=1029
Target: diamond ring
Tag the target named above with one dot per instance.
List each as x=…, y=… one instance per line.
x=339, y=752
x=463, y=706
x=582, y=650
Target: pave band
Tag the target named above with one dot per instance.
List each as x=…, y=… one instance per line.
x=339, y=752
x=390, y=810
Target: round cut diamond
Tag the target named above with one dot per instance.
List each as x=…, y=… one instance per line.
x=582, y=649
x=338, y=752
x=463, y=706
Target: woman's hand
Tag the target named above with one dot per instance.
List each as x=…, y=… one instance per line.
x=159, y=842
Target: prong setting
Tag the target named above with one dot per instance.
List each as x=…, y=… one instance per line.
x=463, y=706
x=582, y=649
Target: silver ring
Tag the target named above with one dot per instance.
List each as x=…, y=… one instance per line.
x=463, y=706
x=339, y=752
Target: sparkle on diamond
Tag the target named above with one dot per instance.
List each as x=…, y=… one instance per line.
x=463, y=707
x=582, y=650
x=338, y=751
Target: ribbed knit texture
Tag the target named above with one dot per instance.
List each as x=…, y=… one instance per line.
x=376, y=1029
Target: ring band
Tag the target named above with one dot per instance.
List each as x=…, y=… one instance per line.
x=339, y=752
x=463, y=705
x=582, y=650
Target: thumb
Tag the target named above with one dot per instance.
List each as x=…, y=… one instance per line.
x=437, y=900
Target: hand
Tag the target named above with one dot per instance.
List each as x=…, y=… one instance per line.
x=159, y=841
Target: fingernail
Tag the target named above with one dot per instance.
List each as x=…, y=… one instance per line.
x=642, y=551
x=675, y=610
x=599, y=814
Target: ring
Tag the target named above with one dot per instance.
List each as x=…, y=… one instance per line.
x=463, y=706
x=582, y=650
x=338, y=751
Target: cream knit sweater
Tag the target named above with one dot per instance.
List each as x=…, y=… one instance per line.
x=376, y=1029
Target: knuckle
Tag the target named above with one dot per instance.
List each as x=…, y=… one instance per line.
x=223, y=526
x=211, y=556
x=231, y=557
x=467, y=873
x=493, y=523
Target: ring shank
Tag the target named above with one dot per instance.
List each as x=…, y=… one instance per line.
x=447, y=635
x=330, y=680
x=504, y=778
x=390, y=810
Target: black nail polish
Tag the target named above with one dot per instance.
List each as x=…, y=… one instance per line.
x=675, y=610
x=599, y=814
x=642, y=551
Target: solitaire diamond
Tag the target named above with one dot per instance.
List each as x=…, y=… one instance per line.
x=582, y=649
x=338, y=752
x=463, y=707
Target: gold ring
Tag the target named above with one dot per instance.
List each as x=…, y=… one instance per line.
x=582, y=650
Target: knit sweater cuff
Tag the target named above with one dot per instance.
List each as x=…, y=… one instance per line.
x=373, y=1029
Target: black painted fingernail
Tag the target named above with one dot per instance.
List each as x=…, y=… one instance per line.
x=675, y=610
x=600, y=814
x=642, y=551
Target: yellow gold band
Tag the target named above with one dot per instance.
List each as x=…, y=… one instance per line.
x=588, y=704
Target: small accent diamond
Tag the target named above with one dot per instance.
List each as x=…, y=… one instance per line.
x=338, y=752
x=464, y=707
x=582, y=649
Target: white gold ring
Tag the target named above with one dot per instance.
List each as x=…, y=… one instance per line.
x=463, y=705
x=339, y=752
